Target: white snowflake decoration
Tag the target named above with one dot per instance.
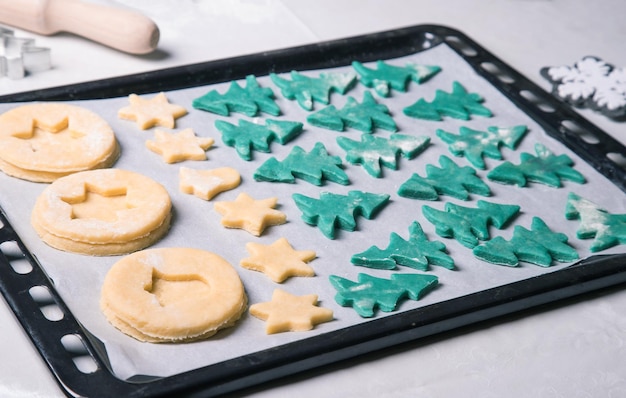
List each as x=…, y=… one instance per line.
x=590, y=83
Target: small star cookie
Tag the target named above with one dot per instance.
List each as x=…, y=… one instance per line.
x=205, y=184
x=279, y=260
x=250, y=214
x=289, y=313
x=176, y=147
x=156, y=111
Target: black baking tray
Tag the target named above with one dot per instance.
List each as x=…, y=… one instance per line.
x=555, y=117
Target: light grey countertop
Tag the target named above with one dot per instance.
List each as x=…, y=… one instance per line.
x=575, y=348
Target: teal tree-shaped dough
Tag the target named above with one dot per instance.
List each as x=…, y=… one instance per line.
x=417, y=252
x=539, y=246
x=370, y=292
x=373, y=151
x=306, y=90
x=458, y=104
x=607, y=229
x=312, y=167
x=250, y=100
x=365, y=116
x=450, y=180
x=386, y=77
x=248, y=136
x=545, y=168
x=474, y=144
x=469, y=225
x=332, y=210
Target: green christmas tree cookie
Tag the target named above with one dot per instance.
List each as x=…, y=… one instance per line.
x=545, y=168
x=458, y=104
x=386, y=77
x=365, y=116
x=417, y=252
x=248, y=136
x=539, y=246
x=469, y=225
x=370, y=292
x=607, y=229
x=306, y=90
x=373, y=151
x=332, y=210
x=251, y=100
x=474, y=144
x=312, y=167
x=450, y=180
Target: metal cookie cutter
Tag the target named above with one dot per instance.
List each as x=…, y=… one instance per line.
x=20, y=55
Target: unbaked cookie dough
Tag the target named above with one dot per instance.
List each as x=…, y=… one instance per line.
x=205, y=184
x=290, y=313
x=43, y=142
x=250, y=214
x=102, y=212
x=172, y=295
x=147, y=113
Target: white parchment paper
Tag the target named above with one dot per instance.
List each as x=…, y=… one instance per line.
x=196, y=224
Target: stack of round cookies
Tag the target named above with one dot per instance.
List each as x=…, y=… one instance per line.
x=172, y=295
x=102, y=212
x=42, y=142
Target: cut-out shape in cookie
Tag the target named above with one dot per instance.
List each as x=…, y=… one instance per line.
x=372, y=151
x=332, y=210
x=474, y=144
x=539, y=245
x=156, y=111
x=606, y=229
x=386, y=76
x=590, y=83
x=417, y=252
x=290, y=313
x=450, y=180
x=545, y=168
x=279, y=260
x=307, y=90
x=46, y=141
x=370, y=292
x=205, y=184
x=312, y=167
x=458, y=104
x=102, y=212
x=249, y=214
x=248, y=136
x=249, y=100
x=172, y=295
x=365, y=116
x=468, y=225
x=177, y=147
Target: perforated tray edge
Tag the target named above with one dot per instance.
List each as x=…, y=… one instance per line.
x=586, y=276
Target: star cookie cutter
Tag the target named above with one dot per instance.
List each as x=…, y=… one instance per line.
x=19, y=56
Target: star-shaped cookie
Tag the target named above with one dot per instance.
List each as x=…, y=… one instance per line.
x=156, y=111
x=176, y=147
x=250, y=214
x=289, y=313
x=205, y=184
x=279, y=260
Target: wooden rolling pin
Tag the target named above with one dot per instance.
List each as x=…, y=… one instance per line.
x=119, y=28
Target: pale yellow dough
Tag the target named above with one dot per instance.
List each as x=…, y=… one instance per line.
x=46, y=141
x=279, y=260
x=102, y=212
x=176, y=147
x=205, y=184
x=156, y=111
x=172, y=295
x=250, y=214
x=290, y=313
